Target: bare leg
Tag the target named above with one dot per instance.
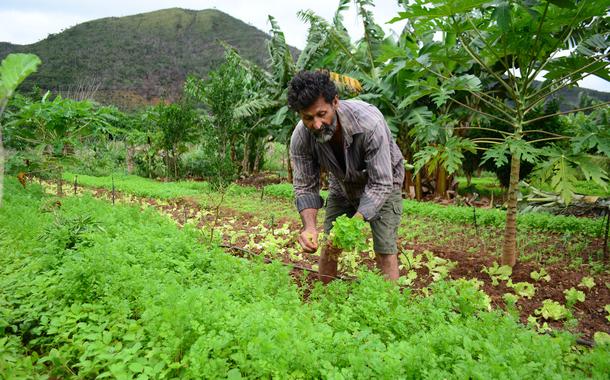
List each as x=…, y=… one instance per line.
x=327, y=264
x=388, y=265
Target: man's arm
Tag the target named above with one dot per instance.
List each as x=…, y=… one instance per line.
x=306, y=182
x=308, y=237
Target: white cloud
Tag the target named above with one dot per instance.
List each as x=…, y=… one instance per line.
x=26, y=22
x=26, y=27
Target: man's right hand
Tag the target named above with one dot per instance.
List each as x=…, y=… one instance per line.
x=309, y=240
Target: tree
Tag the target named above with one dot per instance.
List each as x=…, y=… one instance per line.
x=514, y=42
x=54, y=127
x=178, y=124
x=13, y=70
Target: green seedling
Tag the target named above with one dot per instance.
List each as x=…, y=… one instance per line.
x=540, y=275
x=523, y=289
x=498, y=273
x=573, y=296
x=552, y=310
x=587, y=282
x=349, y=233
x=601, y=338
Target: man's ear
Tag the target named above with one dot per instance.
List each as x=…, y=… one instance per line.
x=336, y=102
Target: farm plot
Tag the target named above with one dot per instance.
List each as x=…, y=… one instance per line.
x=93, y=290
x=562, y=271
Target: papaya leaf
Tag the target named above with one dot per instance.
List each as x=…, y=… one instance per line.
x=13, y=70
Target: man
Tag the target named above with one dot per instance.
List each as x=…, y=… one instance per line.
x=351, y=140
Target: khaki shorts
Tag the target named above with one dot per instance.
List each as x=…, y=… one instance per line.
x=384, y=226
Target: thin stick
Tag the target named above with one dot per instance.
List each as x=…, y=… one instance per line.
x=606, y=235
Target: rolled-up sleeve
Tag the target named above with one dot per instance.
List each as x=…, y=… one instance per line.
x=305, y=172
x=379, y=167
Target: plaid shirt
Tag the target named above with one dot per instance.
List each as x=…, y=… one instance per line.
x=373, y=161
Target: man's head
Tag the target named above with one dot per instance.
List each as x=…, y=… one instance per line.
x=314, y=96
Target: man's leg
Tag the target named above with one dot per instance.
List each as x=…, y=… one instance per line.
x=329, y=255
x=327, y=264
x=388, y=265
x=385, y=229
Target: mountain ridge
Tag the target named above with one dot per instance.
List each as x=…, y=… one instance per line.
x=141, y=58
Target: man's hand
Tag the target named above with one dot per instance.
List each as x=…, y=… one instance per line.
x=308, y=238
x=358, y=215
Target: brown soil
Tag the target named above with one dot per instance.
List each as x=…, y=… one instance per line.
x=260, y=180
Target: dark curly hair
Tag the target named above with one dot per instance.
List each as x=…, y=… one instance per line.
x=307, y=86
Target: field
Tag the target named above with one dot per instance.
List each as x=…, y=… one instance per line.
x=157, y=287
x=155, y=235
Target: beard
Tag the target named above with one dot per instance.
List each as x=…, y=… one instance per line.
x=326, y=131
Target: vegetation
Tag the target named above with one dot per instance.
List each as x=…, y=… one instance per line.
x=190, y=275
x=90, y=309
x=13, y=70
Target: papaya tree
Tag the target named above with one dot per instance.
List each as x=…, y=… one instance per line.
x=515, y=43
x=13, y=70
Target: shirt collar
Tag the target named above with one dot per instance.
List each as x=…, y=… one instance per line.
x=349, y=124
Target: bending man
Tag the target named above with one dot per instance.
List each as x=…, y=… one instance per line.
x=351, y=140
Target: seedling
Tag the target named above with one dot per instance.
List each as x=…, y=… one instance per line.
x=587, y=282
x=409, y=279
x=552, y=310
x=573, y=296
x=409, y=260
x=498, y=273
x=601, y=338
x=524, y=289
x=540, y=275
x=349, y=234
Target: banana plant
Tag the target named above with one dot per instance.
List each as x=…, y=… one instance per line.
x=13, y=70
x=515, y=42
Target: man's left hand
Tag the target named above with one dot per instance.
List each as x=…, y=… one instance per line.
x=358, y=215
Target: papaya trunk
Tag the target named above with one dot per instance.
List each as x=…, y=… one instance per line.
x=60, y=182
x=289, y=162
x=130, y=154
x=418, y=189
x=441, y=181
x=509, y=251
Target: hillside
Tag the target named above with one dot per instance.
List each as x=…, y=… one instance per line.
x=138, y=59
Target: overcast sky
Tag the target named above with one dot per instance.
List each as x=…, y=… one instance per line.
x=29, y=21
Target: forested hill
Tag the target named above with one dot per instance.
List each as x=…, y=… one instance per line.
x=138, y=59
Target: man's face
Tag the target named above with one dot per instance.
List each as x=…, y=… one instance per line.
x=321, y=119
